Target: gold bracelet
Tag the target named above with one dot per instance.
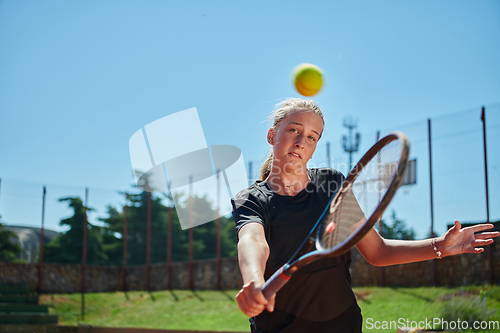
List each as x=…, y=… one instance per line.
x=434, y=247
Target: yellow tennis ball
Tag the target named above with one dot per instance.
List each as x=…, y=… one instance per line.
x=307, y=79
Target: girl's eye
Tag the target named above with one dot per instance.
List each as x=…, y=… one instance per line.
x=294, y=130
x=312, y=138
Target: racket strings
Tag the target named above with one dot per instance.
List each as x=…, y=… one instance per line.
x=361, y=197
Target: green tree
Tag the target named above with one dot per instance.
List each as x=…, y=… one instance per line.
x=105, y=244
x=9, y=248
x=68, y=247
x=136, y=230
x=111, y=241
x=204, y=236
x=397, y=229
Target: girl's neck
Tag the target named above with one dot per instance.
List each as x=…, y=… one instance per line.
x=288, y=183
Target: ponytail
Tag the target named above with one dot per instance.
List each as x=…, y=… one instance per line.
x=265, y=170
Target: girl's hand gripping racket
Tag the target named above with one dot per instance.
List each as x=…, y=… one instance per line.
x=359, y=203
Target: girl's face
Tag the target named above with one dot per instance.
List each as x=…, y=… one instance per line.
x=295, y=138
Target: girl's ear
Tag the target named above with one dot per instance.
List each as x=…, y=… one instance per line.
x=270, y=136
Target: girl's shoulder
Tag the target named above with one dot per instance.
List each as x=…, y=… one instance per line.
x=257, y=193
x=327, y=174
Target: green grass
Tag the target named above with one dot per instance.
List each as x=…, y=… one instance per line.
x=215, y=310
x=180, y=309
x=416, y=304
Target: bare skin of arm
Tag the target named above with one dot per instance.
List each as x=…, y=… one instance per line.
x=385, y=252
x=253, y=252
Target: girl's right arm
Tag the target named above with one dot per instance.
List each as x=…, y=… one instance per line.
x=253, y=252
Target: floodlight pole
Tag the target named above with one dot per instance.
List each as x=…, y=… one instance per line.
x=84, y=251
x=350, y=146
x=125, y=243
x=42, y=237
x=169, y=248
x=328, y=154
x=250, y=173
x=148, y=243
x=218, y=245
x=434, y=280
x=490, y=257
x=430, y=175
x=190, y=259
x=380, y=224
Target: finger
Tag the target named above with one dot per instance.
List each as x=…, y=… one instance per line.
x=270, y=304
x=475, y=250
x=252, y=312
x=480, y=227
x=255, y=311
x=242, y=303
x=482, y=242
x=456, y=228
x=259, y=296
x=486, y=235
x=254, y=291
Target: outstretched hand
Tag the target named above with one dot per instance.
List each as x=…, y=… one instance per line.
x=466, y=240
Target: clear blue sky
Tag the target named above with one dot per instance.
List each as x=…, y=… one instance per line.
x=78, y=78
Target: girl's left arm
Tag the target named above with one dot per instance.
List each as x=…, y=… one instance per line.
x=385, y=252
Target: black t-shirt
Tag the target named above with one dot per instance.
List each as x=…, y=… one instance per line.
x=318, y=298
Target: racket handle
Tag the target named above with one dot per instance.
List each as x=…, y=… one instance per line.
x=275, y=282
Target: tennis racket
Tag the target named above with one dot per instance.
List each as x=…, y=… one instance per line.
x=351, y=213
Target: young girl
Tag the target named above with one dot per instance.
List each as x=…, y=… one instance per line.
x=274, y=215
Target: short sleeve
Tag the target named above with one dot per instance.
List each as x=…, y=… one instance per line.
x=247, y=208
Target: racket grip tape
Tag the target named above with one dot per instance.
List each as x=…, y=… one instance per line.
x=275, y=282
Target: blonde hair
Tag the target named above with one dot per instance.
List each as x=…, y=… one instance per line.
x=281, y=110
